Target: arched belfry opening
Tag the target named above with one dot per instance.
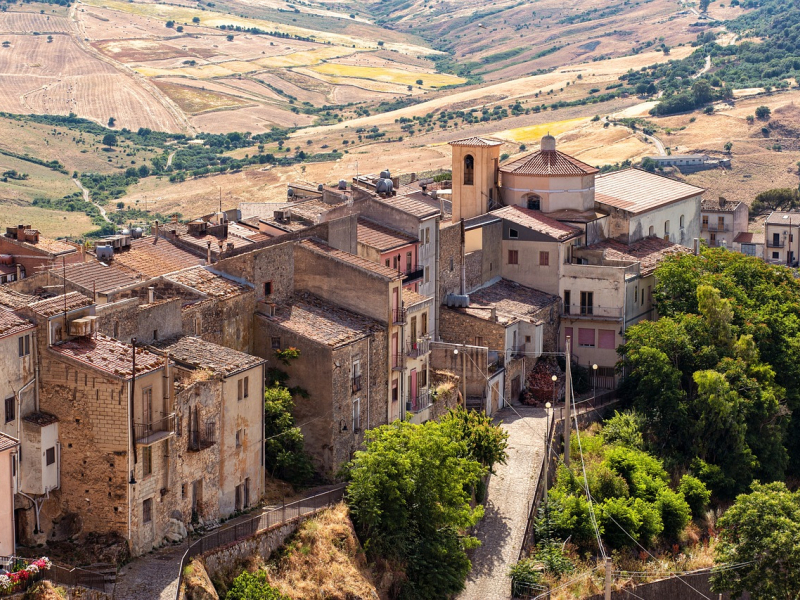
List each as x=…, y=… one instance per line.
x=469, y=170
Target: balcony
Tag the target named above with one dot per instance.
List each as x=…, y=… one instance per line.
x=420, y=403
x=397, y=362
x=147, y=434
x=776, y=243
x=418, y=348
x=413, y=274
x=713, y=227
x=203, y=438
x=590, y=311
x=398, y=316
x=356, y=383
x=515, y=352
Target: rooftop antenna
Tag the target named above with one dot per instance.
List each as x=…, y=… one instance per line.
x=220, y=199
x=64, y=280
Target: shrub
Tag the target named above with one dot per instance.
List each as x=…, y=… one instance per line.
x=763, y=112
x=675, y=512
x=604, y=484
x=624, y=428
x=695, y=493
x=616, y=513
x=253, y=586
x=523, y=575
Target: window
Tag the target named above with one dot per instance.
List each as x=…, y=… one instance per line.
x=776, y=255
x=276, y=343
x=567, y=301
x=21, y=341
x=10, y=409
x=469, y=170
x=534, y=201
x=527, y=339
x=147, y=511
x=642, y=302
x=356, y=375
x=749, y=249
x=705, y=222
x=427, y=235
x=721, y=224
x=408, y=262
x=116, y=329
x=666, y=227
x=267, y=288
x=394, y=390
x=478, y=340
x=244, y=387
x=239, y=390
x=198, y=326
x=396, y=262
x=387, y=262
x=513, y=233
x=682, y=221
x=606, y=338
x=587, y=303
x=239, y=437
x=155, y=335
x=544, y=259
x=427, y=275
x=50, y=456
x=356, y=415
x=651, y=232
x=147, y=461
x=451, y=264
x=513, y=257
x=586, y=338
x=423, y=324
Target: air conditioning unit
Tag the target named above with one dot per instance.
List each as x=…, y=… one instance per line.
x=80, y=327
x=92, y=323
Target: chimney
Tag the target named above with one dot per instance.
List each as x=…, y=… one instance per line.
x=151, y=295
x=19, y=271
x=696, y=246
x=208, y=253
x=722, y=202
x=155, y=228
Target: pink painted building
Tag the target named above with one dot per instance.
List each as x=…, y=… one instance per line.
x=391, y=248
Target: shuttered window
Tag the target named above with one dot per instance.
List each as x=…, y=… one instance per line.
x=606, y=338
x=586, y=337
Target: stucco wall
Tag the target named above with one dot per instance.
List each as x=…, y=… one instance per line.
x=556, y=192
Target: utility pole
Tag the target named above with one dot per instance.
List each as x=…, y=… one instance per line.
x=567, y=404
x=608, y=578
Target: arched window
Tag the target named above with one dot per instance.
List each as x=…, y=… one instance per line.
x=534, y=201
x=651, y=232
x=682, y=221
x=469, y=170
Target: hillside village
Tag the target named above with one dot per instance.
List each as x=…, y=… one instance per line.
x=135, y=368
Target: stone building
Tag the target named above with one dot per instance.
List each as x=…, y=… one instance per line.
x=31, y=253
x=219, y=412
x=722, y=221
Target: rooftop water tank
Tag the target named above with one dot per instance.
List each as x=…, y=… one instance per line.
x=384, y=186
x=385, y=174
x=342, y=184
x=104, y=252
x=290, y=192
x=137, y=232
x=320, y=187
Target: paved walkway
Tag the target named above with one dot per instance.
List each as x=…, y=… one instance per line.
x=153, y=576
x=510, y=492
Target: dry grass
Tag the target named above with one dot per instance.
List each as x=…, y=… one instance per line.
x=323, y=560
x=339, y=73
x=193, y=100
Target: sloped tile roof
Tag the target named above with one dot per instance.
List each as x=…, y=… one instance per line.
x=155, y=256
x=106, y=354
x=746, y=237
x=201, y=354
x=51, y=246
x=715, y=206
x=57, y=305
x=649, y=251
x=356, y=261
x=207, y=282
x=323, y=322
x=548, y=162
x=11, y=324
x=636, y=191
x=15, y=300
x=476, y=141
x=414, y=203
x=536, y=221
x=380, y=237
x=101, y=277
x=7, y=442
x=511, y=301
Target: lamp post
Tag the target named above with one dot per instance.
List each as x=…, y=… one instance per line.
x=594, y=383
x=546, y=451
x=554, y=378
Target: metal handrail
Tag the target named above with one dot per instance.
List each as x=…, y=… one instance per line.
x=592, y=310
x=266, y=520
x=143, y=431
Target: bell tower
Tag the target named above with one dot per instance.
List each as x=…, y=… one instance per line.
x=475, y=170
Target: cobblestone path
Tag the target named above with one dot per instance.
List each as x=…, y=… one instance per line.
x=510, y=491
x=153, y=576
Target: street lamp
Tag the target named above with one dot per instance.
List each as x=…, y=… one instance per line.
x=546, y=450
x=554, y=378
x=594, y=382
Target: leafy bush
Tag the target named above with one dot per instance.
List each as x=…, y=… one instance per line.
x=624, y=428
x=524, y=574
x=253, y=586
x=284, y=453
x=696, y=494
x=675, y=512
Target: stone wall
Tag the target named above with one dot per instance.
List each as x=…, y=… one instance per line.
x=223, y=321
x=129, y=318
x=458, y=327
x=449, y=259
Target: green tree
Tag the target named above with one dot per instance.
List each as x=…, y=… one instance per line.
x=109, y=139
x=486, y=442
x=763, y=112
x=410, y=502
x=284, y=453
x=253, y=586
x=728, y=147
x=702, y=92
x=761, y=532
x=704, y=4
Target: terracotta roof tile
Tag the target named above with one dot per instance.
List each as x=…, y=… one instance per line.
x=780, y=217
x=102, y=278
x=746, y=237
x=154, y=256
x=476, y=141
x=54, y=247
x=7, y=442
x=410, y=298
x=326, y=323
x=108, y=355
x=715, y=206
x=548, y=162
x=537, y=221
x=649, y=251
x=511, y=301
x=208, y=282
x=380, y=237
x=414, y=203
x=15, y=300
x=55, y=306
x=201, y=354
x=360, y=263
x=637, y=191
x=11, y=324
